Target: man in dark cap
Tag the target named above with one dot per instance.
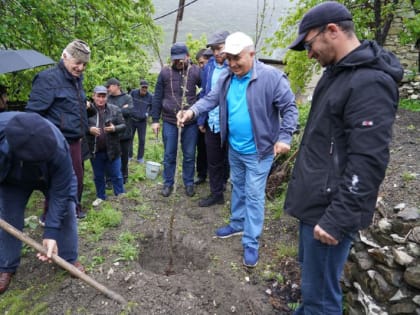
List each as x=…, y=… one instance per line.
x=142, y=105
x=209, y=123
x=58, y=95
x=124, y=101
x=34, y=155
x=176, y=89
x=344, y=151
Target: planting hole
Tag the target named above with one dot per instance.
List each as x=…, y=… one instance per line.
x=187, y=254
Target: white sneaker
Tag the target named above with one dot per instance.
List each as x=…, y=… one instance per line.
x=97, y=202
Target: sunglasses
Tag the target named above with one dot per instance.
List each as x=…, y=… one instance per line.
x=308, y=45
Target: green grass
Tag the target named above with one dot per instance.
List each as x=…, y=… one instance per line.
x=23, y=302
x=407, y=176
x=127, y=248
x=96, y=222
x=412, y=105
x=286, y=250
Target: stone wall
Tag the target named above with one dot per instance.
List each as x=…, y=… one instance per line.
x=382, y=275
x=407, y=54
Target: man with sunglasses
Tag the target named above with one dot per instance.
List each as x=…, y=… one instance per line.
x=344, y=151
x=251, y=97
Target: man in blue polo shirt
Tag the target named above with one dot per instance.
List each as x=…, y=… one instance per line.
x=252, y=97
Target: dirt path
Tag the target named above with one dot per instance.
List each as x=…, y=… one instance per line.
x=198, y=274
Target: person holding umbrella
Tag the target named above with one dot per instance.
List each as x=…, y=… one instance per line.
x=34, y=155
x=58, y=95
x=3, y=98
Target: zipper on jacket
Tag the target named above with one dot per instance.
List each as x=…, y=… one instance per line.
x=332, y=146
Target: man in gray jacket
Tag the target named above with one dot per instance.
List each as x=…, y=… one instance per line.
x=252, y=97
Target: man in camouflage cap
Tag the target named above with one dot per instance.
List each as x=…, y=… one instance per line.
x=58, y=95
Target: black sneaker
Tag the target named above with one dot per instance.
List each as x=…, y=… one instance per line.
x=211, y=200
x=167, y=191
x=189, y=190
x=200, y=180
x=81, y=215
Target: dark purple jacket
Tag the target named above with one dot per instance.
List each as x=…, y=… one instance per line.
x=167, y=98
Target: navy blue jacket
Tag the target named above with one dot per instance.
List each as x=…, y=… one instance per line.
x=55, y=177
x=59, y=97
x=344, y=151
x=142, y=105
x=206, y=79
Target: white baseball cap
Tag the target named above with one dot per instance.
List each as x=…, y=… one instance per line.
x=236, y=42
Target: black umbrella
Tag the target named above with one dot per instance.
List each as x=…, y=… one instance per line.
x=16, y=60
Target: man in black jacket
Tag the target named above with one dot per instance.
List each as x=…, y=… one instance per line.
x=142, y=105
x=344, y=151
x=57, y=94
x=104, y=144
x=124, y=101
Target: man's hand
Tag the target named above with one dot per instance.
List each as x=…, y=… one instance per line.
x=321, y=235
x=202, y=129
x=51, y=246
x=110, y=128
x=183, y=116
x=281, y=148
x=94, y=131
x=156, y=128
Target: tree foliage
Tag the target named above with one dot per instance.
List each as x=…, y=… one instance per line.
x=372, y=19
x=122, y=35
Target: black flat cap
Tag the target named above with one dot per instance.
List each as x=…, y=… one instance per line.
x=320, y=15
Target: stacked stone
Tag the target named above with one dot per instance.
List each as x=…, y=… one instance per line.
x=410, y=86
x=382, y=275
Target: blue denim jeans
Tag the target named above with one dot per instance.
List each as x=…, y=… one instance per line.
x=189, y=135
x=101, y=164
x=322, y=266
x=248, y=175
x=13, y=200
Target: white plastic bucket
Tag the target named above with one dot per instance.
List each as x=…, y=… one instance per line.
x=152, y=169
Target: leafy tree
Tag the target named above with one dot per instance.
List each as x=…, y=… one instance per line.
x=372, y=19
x=122, y=35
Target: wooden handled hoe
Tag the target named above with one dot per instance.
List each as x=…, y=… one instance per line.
x=62, y=263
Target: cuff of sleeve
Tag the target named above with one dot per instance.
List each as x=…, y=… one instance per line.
x=196, y=113
x=285, y=139
x=51, y=233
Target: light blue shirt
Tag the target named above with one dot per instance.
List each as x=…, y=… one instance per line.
x=241, y=135
x=213, y=118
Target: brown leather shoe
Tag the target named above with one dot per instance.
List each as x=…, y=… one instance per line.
x=5, y=278
x=79, y=266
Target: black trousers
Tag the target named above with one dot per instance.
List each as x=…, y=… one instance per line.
x=201, y=159
x=217, y=162
x=140, y=127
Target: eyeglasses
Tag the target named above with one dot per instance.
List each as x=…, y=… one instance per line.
x=308, y=45
x=217, y=47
